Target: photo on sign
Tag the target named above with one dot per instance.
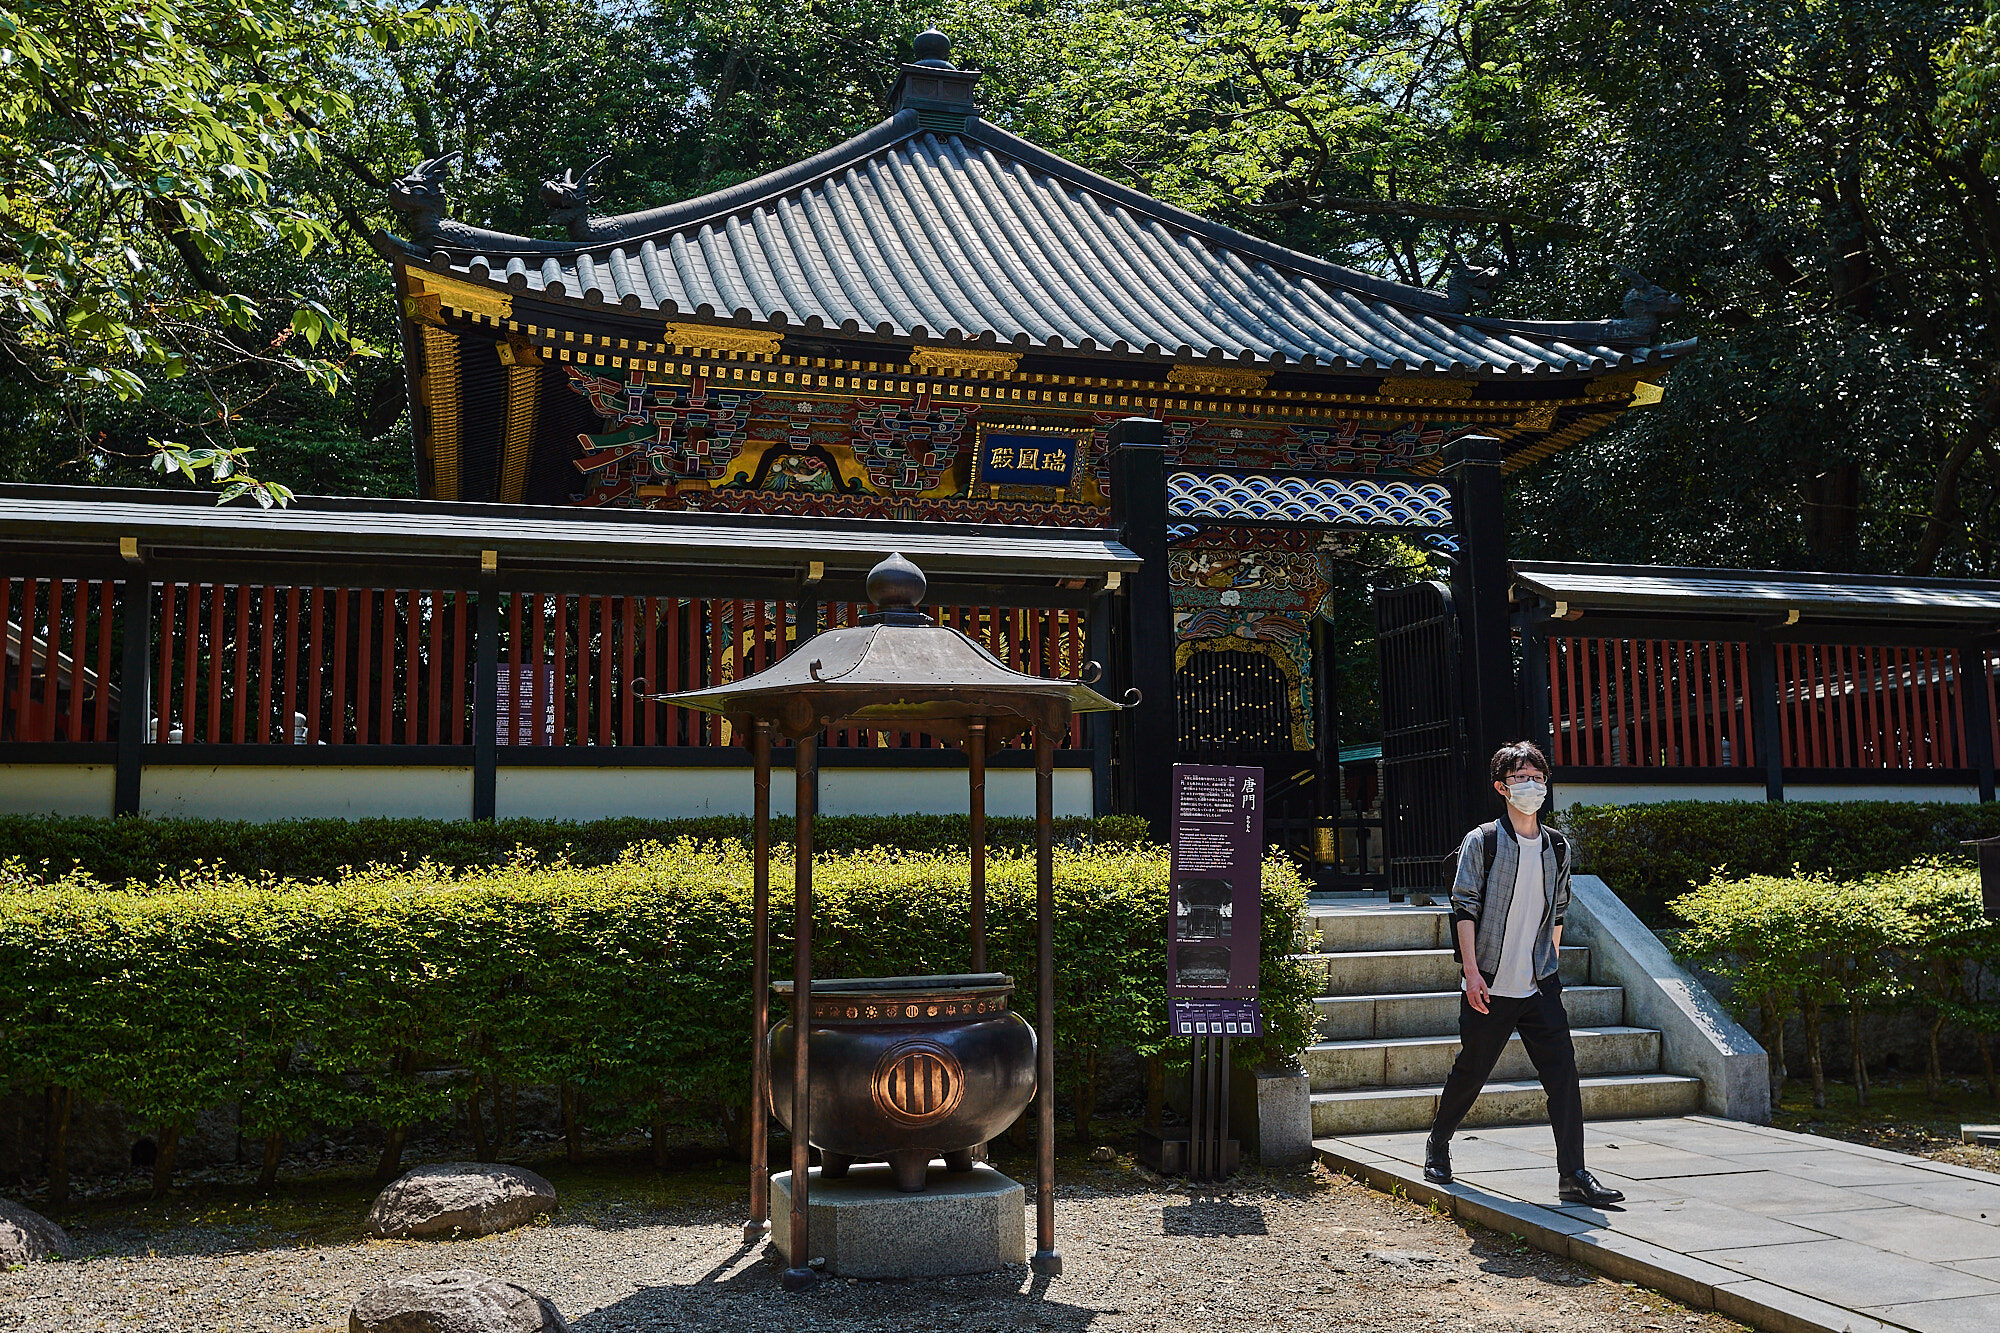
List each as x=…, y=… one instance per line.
x=1201, y=965
x=1203, y=909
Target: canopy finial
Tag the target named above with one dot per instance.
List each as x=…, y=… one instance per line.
x=896, y=584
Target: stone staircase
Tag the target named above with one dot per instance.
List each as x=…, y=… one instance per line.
x=1388, y=1021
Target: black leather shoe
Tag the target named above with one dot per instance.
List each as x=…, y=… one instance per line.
x=1582, y=1187
x=1437, y=1162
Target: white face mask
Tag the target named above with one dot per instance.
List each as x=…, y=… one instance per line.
x=1527, y=797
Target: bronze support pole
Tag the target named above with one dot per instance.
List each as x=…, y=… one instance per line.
x=759, y=1224
x=1046, y=1261
x=975, y=755
x=806, y=760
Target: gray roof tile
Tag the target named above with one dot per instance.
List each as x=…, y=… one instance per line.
x=911, y=233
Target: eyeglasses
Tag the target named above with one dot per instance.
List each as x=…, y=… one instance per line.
x=1522, y=779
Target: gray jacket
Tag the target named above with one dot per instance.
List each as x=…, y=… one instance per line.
x=1472, y=900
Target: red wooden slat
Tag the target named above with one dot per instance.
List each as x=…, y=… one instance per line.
x=315, y=645
x=1949, y=728
x=1899, y=707
x=538, y=690
x=51, y=663
x=458, y=656
x=1868, y=661
x=434, y=668
x=1933, y=731
x=520, y=730
x=337, y=724
x=1579, y=707
x=628, y=625
x=364, y=669
x=24, y=723
x=386, y=710
x=100, y=722
x=266, y=647
x=288, y=710
x=718, y=731
x=1850, y=707
x=79, y=647
x=239, y=700
x=670, y=669
x=6, y=601
x=191, y=661
x=1721, y=661
x=1699, y=659
x=1820, y=699
x=605, y=683
x=409, y=650
x=649, y=663
x=1622, y=753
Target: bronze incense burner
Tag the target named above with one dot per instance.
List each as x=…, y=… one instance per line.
x=905, y=1087
x=906, y=1069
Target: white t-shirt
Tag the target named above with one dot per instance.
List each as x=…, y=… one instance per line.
x=1516, y=977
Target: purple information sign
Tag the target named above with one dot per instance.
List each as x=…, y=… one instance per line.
x=1218, y=853
x=1215, y=1018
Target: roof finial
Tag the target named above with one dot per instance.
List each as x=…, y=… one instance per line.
x=931, y=47
x=932, y=85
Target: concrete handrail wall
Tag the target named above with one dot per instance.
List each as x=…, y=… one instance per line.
x=1697, y=1035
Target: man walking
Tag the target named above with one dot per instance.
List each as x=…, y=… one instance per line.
x=1507, y=906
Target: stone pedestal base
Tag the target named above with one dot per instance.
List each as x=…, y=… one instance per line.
x=863, y=1226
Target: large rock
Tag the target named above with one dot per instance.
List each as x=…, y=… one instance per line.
x=460, y=1198
x=456, y=1301
x=28, y=1237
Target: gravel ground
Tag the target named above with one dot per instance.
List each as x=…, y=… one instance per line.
x=635, y=1250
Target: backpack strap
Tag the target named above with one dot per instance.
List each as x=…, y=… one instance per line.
x=1491, y=837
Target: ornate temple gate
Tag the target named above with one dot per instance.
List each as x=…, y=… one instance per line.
x=1250, y=566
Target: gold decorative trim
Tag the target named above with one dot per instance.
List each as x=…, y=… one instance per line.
x=722, y=338
x=1436, y=389
x=972, y=360
x=519, y=352
x=524, y=385
x=439, y=387
x=1645, y=395
x=467, y=297
x=1233, y=378
x=422, y=307
x=1228, y=643
x=1542, y=416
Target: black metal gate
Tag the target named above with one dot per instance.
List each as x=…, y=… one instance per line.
x=1423, y=734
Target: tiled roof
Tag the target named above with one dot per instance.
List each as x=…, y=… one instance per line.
x=947, y=235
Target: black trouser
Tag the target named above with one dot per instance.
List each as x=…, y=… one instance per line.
x=1544, y=1028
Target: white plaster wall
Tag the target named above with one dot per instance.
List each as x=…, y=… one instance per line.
x=672, y=793
x=1799, y=791
x=1647, y=793
x=339, y=791
x=58, y=789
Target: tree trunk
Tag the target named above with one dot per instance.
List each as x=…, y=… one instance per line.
x=1815, y=1055
x=1986, y=1066
x=274, y=1147
x=482, y=1147
x=58, y=1101
x=572, y=1130
x=1086, y=1097
x=394, y=1137
x=660, y=1130
x=163, y=1160
x=1933, y=1069
x=1771, y=1022
x=1860, y=1056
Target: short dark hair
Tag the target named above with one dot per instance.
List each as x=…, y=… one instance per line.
x=1514, y=755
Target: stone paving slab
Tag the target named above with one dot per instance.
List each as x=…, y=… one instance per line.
x=1783, y=1231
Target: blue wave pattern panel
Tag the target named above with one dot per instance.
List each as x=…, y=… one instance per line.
x=1334, y=501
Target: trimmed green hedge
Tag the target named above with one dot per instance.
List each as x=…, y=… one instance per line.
x=1650, y=854
x=1812, y=946
x=392, y=997
x=146, y=851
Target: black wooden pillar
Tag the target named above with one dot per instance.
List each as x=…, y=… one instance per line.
x=486, y=700
x=1973, y=688
x=135, y=690
x=1537, y=707
x=1764, y=731
x=1097, y=726
x=1479, y=581
x=1150, y=731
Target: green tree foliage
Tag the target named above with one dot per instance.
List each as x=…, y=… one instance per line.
x=151, y=246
